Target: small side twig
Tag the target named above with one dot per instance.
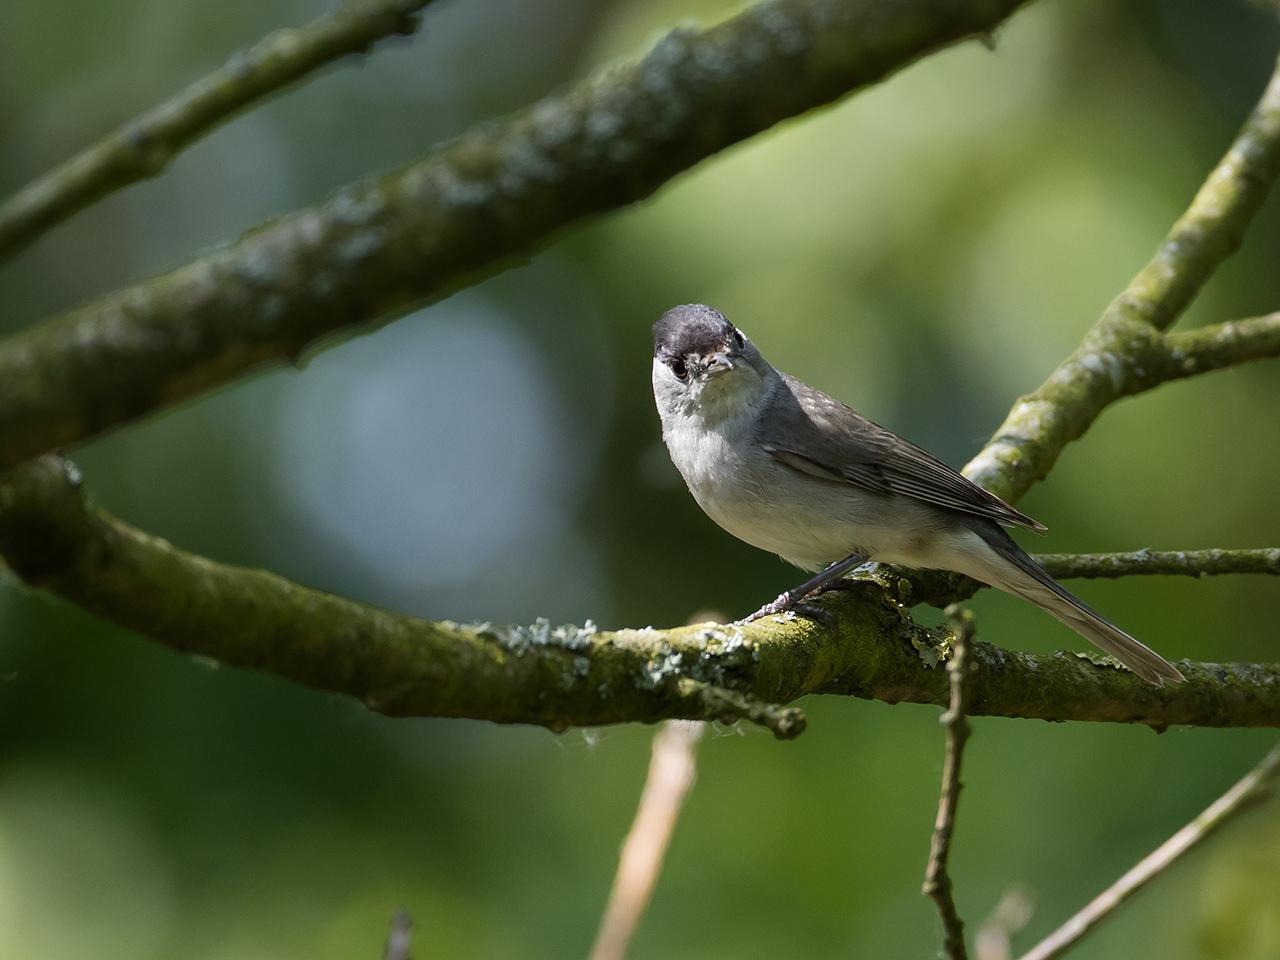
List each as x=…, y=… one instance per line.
x=671, y=774
x=1252, y=787
x=1220, y=345
x=937, y=882
x=721, y=703
x=399, y=937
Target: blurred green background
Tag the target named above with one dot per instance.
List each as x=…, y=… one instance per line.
x=927, y=251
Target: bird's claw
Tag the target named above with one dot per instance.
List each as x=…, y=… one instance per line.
x=790, y=603
x=783, y=603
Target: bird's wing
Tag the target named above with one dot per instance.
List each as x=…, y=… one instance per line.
x=815, y=434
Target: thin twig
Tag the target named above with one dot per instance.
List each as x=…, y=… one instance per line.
x=399, y=937
x=941, y=588
x=671, y=774
x=144, y=146
x=1189, y=563
x=937, y=881
x=1253, y=786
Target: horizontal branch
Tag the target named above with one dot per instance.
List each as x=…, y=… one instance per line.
x=146, y=145
x=384, y=245
x=54, y=539
x=1146, y=563
x=940, y=588
x=1125, y=351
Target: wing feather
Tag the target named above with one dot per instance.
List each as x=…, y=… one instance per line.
x=822, y=437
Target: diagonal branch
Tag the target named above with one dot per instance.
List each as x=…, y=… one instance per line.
x=1125, y=351
x=672, y=771
x=54, y=539
x=1254, y=786
x=384, y=245
x=146, y=145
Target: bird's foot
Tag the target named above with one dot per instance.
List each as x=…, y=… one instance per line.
x=783, y=603
x=792, y=602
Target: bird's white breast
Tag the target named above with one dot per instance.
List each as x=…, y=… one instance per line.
x=808, y=521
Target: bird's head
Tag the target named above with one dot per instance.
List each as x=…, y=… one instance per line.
x=703, y=363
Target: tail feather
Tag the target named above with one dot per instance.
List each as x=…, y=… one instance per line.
x=1028, y=580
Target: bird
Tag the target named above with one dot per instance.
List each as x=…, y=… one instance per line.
x=786, y=468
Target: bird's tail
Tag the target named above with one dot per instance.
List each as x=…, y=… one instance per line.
x=1025, y=578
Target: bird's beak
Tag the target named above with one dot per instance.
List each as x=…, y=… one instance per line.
x=717, y=363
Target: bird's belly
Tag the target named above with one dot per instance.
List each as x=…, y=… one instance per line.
x=807, y=521
x=813, y=523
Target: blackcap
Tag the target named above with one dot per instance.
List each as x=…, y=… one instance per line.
x=790, y=470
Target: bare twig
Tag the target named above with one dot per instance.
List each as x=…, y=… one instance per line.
x=399, y=937
x=1255, y=785
x=937, y=881
x=671, y=774
x=144, y=146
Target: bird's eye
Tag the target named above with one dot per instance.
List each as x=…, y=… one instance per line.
x=737, y=338
x=678, y=368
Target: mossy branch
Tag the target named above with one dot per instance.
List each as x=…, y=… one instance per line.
x=54, y=539
x=384, y=245
x=1126, y=352
x=146, y=145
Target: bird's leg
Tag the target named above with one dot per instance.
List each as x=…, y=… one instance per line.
x=791, y=599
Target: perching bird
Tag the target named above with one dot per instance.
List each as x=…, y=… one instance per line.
x=790, y=470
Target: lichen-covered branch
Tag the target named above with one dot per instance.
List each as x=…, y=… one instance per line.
x=381, y=246
x=54, y=539
x=146, y=145
x=1125, y=351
